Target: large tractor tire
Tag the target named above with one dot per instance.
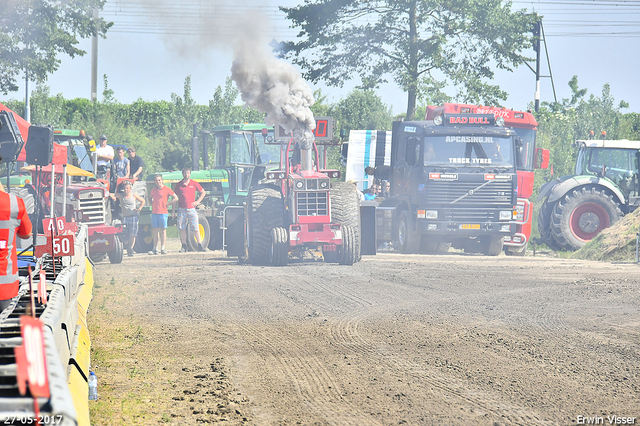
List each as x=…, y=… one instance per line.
x=348, y=254
x=279, y=253
x=205, y=234
x=581, y=215
x=27, y=197
x=117, y=254
x=491, y=244
x=345, y=209
x=544, y=226
x=265, y=211
x=408, y=240
x=144, y=240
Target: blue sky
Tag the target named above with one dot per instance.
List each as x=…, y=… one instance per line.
x=154, y=45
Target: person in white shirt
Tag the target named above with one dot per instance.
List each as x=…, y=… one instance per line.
x=105, y=155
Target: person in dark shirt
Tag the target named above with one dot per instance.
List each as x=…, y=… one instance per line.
x=135, y=164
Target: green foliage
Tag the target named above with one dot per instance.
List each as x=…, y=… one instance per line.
x=34, y=32
x=562, y=123
x=424, y=45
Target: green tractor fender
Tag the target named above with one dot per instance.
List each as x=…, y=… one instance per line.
x=557, y=191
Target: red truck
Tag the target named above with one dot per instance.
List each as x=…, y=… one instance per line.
x=525, y=126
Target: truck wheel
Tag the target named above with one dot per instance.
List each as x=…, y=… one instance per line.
x=491, y=244
x=27, y=197
x=516, y=251
x=117, y=254
x=205, y=234
x=544, y=226
x=279, y=253
x=345, y=209
x=433, y=245
x=581, y=215
x=144, y=240
x=408, y=241
x=348, y=254
x=331, y=256
x=265, y=211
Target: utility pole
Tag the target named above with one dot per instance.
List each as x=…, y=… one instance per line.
x=27, y=100
x=94, y=60
x=536, y=46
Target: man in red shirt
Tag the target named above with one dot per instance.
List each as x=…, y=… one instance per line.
x=186, y=190
x=159, y=212
x=14, y=221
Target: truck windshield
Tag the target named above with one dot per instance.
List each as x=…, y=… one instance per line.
x=468, y=151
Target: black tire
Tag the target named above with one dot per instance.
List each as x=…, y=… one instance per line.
x=265, y=211
x=144, y=240
x=408, y=240
x=279, y=253
x=97, y=257
x=345, y=210
x=581, y=214
x=117, y=254
x=516, y=251
x=331, y=256
x=205, y=234
x=348, y=255
x=27, y=197
x=491, y=244
x=544, y=226
x=433, y=245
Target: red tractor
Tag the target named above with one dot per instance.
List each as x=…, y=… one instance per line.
x=298, y=212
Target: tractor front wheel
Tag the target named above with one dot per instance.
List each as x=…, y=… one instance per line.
x=279, y=253
x=205, y=234
x=265, y=211
x=117, y=254
x=144, y=240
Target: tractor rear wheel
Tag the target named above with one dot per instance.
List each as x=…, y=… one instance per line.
x=144, y=240
x=117, y=254
x=265, y=211
x=348, y=254
x=544, y=226
x=345, y=209
x=408, y=241
x=581, y=215
x=27, y=197
x=205, y=234
x=279, y=253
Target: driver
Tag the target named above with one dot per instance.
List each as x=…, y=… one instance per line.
x=105, y=155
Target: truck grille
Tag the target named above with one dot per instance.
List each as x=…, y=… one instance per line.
x=312, y=204
x=471, y=215
x=493, y=195
x=92, y=211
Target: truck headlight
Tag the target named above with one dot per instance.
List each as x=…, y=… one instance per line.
x=518, y=213
x=299, y=184
x=506, y=215
x=432, y=214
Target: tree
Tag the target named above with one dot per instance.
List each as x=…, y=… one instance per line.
x=423, y=44
x=34, y=32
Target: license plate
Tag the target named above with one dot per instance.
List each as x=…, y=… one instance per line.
x=469, y=226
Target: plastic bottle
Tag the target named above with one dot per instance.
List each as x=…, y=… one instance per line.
x=93, y=386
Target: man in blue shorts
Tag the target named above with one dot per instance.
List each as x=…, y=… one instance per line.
x=161, y=198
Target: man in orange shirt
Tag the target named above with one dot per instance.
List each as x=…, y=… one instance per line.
x=160, y=202
x=13, y=221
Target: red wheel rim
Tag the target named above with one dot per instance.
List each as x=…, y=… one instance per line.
x=587, y=220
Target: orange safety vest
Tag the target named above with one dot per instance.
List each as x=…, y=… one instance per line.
x=13, y=220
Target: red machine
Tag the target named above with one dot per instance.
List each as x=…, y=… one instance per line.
x=525, y=125
x=296, y=211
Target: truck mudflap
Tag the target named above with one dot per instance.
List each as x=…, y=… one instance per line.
x=368, y=234
x=315, y=233
x=102, y=238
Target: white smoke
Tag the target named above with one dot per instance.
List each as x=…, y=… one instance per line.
x=269, y=84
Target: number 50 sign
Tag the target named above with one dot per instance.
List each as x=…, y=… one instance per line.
x=59, y=245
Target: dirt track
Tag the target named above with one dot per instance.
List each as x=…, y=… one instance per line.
x=421, y=340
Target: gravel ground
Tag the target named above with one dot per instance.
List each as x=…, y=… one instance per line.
x=395, y=339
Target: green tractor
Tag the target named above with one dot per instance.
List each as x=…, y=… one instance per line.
x=242, y=157
x=604, y=188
